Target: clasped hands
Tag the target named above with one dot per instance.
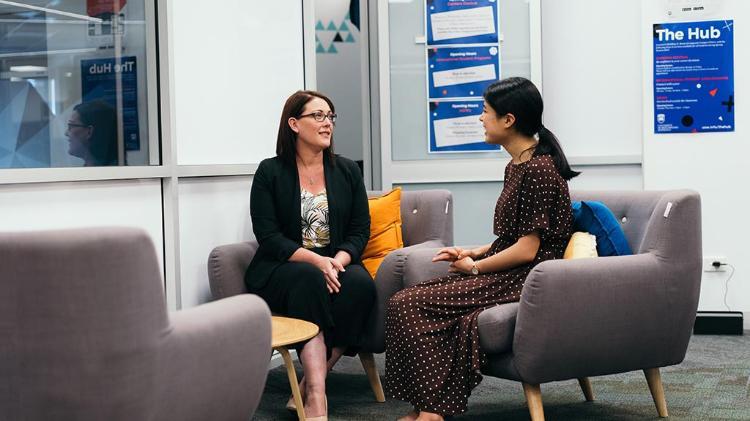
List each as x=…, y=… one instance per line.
x=462, y=260
x=331, y=266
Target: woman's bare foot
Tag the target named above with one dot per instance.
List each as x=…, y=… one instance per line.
x=411, y=416
x=429, y=416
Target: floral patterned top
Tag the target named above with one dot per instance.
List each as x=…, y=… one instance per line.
x=315, y=225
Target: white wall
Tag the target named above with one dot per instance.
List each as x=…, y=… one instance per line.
x=235, y=65
x=591, y=75
x=131, y=203
x=213, y=211
x=714, y=164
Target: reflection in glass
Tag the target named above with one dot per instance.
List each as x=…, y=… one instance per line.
x=92, y=133
x=73, y=83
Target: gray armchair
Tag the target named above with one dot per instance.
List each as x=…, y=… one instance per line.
x=427, y=222
x=86, y=335
x=590, y=317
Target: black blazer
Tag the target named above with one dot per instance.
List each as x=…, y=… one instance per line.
x=275, y=209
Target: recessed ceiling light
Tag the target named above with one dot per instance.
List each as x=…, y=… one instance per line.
x=28, y=69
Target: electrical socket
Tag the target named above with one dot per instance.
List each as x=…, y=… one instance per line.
x=709, y=260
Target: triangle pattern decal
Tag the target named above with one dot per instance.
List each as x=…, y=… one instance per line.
x=332, y=49
x=338, y=38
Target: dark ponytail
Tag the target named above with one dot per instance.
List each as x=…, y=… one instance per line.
x=518, y=96
x=549, y=145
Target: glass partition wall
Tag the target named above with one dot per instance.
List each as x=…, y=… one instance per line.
x=74, y=83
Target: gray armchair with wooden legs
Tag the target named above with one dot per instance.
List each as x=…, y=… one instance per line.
x=85, y=335
x=590, y=317
x=427, y=222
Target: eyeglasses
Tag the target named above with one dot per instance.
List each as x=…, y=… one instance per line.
x=71, y=125
x=321, y=116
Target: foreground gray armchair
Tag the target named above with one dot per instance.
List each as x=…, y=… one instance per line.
x=427, y=222
x=590, y=317
x=86, y=335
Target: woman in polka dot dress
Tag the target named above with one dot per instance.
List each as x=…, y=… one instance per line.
x=433, y=357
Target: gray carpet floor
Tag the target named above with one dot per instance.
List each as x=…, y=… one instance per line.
x=711, y=384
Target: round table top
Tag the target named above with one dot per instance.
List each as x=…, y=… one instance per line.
x=287, y=331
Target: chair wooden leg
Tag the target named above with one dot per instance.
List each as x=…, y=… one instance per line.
x=657, y=390
x=588, y=391
x=293, y=382
x=533, y=394
x=368, y=363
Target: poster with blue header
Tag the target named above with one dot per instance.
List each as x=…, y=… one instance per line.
x=694, y=77
x=458, y=72
x=454, y=126
x=461, y=22
x=99, y=81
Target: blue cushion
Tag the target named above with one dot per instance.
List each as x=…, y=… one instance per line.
x=596, y=218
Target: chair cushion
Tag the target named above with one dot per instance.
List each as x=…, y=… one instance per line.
x=581, y=245
x=597, y=219
x=385, y=229
x=496, y=327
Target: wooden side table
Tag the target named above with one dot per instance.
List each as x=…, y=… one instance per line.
x=288, y=331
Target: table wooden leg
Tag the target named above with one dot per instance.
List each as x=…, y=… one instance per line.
x=368, y=362
x=293, y=382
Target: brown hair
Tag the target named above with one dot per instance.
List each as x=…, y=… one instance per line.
x=286, y=141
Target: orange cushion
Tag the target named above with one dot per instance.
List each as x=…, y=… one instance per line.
x=385, y=229
x=581, y=244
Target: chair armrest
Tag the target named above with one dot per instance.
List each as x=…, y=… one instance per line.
x=587, y=317
x=388, y=281
x=214, y=360
x=226, y=268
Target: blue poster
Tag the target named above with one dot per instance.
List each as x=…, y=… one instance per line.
x=461, y=22
x=99, y=81
x=455, y=72
x=694, y=77
x=455, y=127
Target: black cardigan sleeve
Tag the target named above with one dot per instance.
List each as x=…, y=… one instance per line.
x=264, y=216
x=357, y=232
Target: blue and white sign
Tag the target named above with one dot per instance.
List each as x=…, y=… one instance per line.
x=694, y=77
x=455, y=127
x=461, y=22
x=457, y=72
x=99, y=81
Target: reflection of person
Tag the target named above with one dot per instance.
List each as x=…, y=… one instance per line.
x=310, y=216
x=432, y=344
x=92, y=133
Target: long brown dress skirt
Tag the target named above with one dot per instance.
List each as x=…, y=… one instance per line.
x=433, y=358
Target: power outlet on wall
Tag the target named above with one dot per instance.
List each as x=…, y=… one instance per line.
x=708, y=263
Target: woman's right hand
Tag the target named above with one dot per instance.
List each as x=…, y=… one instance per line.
x=447, y=254
x=473, y=253
x=330, y=268
x=451, y=254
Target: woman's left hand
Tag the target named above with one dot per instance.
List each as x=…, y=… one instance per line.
x=462, y=265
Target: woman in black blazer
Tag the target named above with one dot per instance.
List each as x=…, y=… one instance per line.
x=310, y=216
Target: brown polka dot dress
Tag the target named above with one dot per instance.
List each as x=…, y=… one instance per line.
x=432, y=344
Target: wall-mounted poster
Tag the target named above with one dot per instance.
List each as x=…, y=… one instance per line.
x=456, y=72
x=694, y=77
x=99, y=81
x=461, y=22
x=454, y=126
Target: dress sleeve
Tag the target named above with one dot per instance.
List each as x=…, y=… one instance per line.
x=539, y=200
